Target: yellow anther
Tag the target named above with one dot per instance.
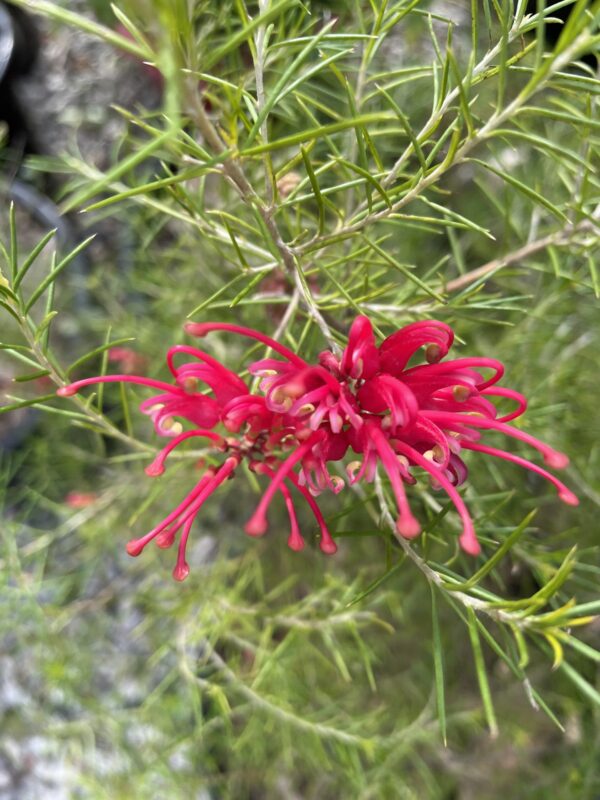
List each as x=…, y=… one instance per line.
x=352, y=467
x=190, y=384
x=461, y=393
x=169, y=424
x=438, y=453
x=433, y=353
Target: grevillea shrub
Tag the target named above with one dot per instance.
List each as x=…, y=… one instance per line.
x=363, y=234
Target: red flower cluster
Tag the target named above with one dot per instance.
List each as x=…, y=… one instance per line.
x=369, y=402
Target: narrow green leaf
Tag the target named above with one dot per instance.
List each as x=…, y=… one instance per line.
x=14, y=246
x=522, y=646
x=438, y=665
x=235, y=40
x=25, y=403
x=583, y=648
x=592, y=607
x=44, y=325
x=236, y=247
x=580, y=682
x=96, y=352
x=524, y=188
x=7, y=307
x=32, y=376
x=280, y=90
x=489, y=565
x=73, y=20
x=404, y=121
x=463, y=100
x=315, y=133
x=131, y=28
x=49, y=279
x=210, y=300
x=31, y=258
x=161, y=183
x=252, y=283
x=405, y=271
x=316, y=190
x=484, y=687
x=125, y=407
x=375, y=584
x=124, y=166
x=369, y=178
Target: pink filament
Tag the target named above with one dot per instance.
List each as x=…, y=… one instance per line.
x=500, y=391
x=407, y=525
x=182, y=569
x=565, y=494
x=326, y=544
x=552, y=457
x=157, y=467
x=257, y=524
x=426, y=371
x=135, y=546
x=73, y=388
x=295, y=540
x=468, y=540
x=202, y=328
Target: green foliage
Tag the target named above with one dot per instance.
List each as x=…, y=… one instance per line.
x=301, y=170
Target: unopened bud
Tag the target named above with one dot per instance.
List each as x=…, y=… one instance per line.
x=287, y=183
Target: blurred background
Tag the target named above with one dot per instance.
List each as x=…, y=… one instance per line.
x=272, y=674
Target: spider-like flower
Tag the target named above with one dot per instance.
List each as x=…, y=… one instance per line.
x=370, y=400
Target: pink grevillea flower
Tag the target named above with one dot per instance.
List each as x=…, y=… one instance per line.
x=128, y=360
x=395, y=414
x=374, y=401
x=81, y=499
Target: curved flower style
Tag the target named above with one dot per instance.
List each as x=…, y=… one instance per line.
x=403, y=418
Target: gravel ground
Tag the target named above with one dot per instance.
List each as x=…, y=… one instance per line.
x=69, y=94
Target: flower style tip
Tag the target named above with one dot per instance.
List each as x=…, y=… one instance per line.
x=135, y=547
x=555, y=459
x=256, y=526
x=154, y=469
x=166, y=539
x=567, y=496
x=328, y=546
x=295, y=541
x=408, y=526
x=181, y=571
x=469, y=543
x=198, y=329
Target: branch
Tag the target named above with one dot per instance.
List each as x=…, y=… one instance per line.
x=557, y=239
x=233, y=170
